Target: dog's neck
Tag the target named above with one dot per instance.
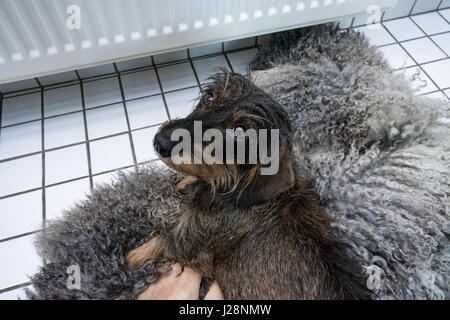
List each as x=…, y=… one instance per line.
x=202, y=195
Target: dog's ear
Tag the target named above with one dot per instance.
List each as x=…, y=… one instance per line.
x=259, y=189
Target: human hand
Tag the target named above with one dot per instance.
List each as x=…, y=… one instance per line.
x=180, y=284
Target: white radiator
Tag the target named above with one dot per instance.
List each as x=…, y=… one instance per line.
x=39, y=37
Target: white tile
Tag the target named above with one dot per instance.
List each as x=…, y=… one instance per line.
x=20, y=214
x=425, y=5
x=64, y=130
x=443, y=41
x=445, y=4
x=18, y=261
x=111, y=153
x=377, y=36
x=105, y=121
x=439, y=71
x=240, y=60
x=146, y=111
x=177, y=76
x=420, y=82
x=343, y=24
x=364, y=19
x=64, y=196
x=96, y=71
x=423, y=50
x=402, y=9
x=134, y=63
x=21, y=108
x=18, y=85
x=22, y=174
x=143, y=144
x=208, y=66
x=58, y=78
x=140, y=84
x=66, y=164
x=16, y=294
x=437, y=95
x=396, y=56
x=181, y=102
x=62, y=100
x=107, y=178
x=20, y=139
x=447, y=93
x=170, y=56
x=239, y=44
x=431, y=23
x=205, y=50
x=445, y=14
x=404, y=29
x=100, y=92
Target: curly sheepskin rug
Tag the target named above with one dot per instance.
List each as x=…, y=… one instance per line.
x=379, y=156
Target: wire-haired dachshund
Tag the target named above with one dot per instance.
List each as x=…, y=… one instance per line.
x=260, y=236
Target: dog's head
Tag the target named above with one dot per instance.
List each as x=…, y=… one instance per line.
x=237, y=138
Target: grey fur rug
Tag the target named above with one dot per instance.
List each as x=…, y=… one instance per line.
x=379, y=157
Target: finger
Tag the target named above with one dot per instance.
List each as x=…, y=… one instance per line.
x=214, y=292
x=191, y=276
x=176, y=271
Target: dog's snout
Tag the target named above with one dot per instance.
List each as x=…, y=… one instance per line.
x=162, y=145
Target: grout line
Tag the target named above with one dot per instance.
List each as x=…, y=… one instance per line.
x=161, y=88
x=352, y=23
x=39, y=83
x=419, y=65
x=78, y=178
x=17, y=286
x=228, y=61
x=20, y=193
x=193, y=68
x=12, y=94
x=20, y=235
x=79, y=143
x=410, y=15
x=412, y=39
x=86, y=133
x=431, y=39
x=439, y=13
x=43, y=193
x=412, y=8
x=43, y=160
x=99, y=106
x=133, y=151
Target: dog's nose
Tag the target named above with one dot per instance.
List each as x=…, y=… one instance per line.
x=162, y=145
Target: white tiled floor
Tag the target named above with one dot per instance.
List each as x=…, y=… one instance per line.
x=108, y=122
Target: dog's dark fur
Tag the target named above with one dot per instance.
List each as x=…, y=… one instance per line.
x=260, y=237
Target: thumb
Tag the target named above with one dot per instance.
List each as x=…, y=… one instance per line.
x=214, y=292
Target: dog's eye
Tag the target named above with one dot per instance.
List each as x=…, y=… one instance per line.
x=239, y=132
x=208, y=98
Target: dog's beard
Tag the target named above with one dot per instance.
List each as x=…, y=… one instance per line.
x=221, y=177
